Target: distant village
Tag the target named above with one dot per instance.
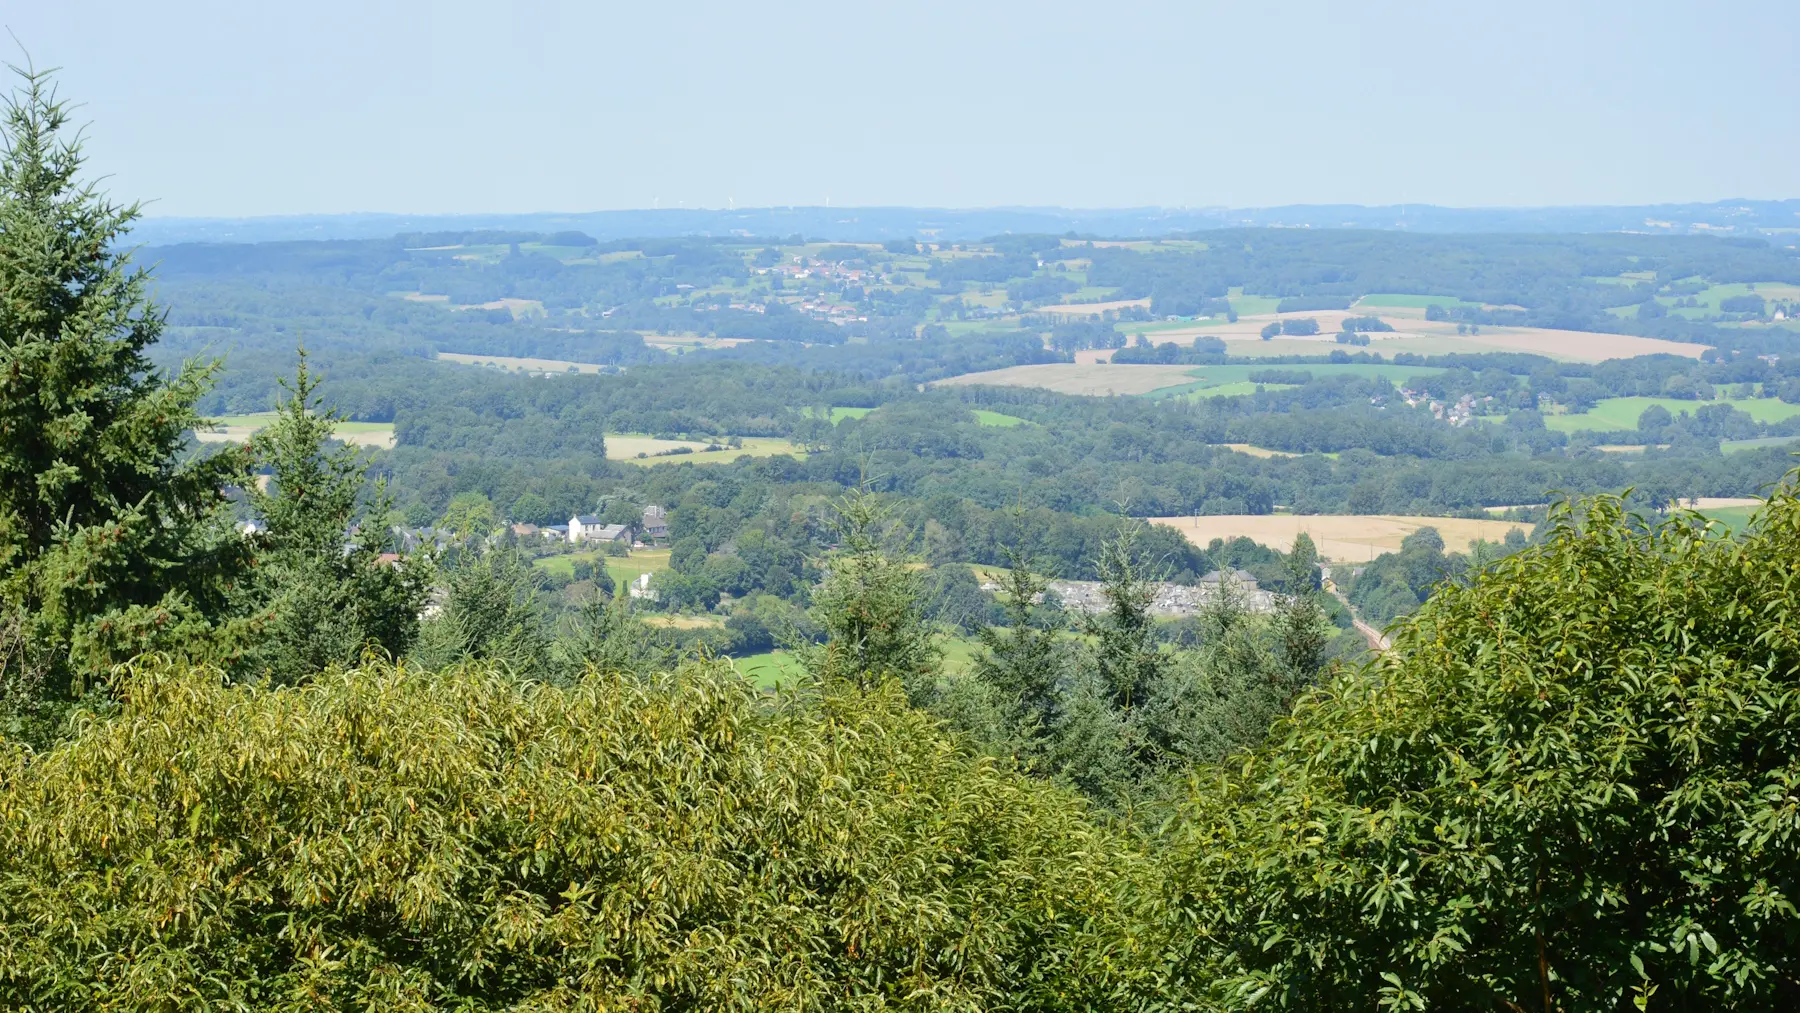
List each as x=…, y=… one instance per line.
x=1170, y=600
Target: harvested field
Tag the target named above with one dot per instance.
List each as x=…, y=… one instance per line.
x=238, y=428
x=1254, y=450
x=1413, y=333
x=1341, y=538
x=626, y=447
x=521, y=363
x=622, y=447
x=1090, y=309
x=1077, y=378
x=685, y=622
x=1721, y=502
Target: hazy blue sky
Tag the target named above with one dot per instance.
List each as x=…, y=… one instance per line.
x=271, y=108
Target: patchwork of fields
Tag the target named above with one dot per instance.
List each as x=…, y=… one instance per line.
x=238, y=428
x=1099, y=379
x=1412, y=333
x=1339, y=538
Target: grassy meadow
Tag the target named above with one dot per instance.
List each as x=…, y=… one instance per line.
x=1615, y=413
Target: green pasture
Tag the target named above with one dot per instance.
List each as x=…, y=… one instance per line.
x=624, y=569
x=988, y=418
x=1616, y=413
x=772, y=668
x=1401, y=301
x=1738, y=446
x=1250, y=305
x=982, y=415
x=1734, y=518
x=1234, y=379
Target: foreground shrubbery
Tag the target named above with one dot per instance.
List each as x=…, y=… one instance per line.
x=1573, y=784
x=388, y=839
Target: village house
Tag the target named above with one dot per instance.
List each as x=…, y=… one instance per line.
x=588, y=528
x=656, y=523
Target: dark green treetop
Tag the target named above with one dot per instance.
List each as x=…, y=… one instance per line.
x=110, y=545
x=326, y=589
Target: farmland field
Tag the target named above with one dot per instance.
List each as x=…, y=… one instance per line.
x=988, y=418
x=238, y=428
x=781, y=667
x=1356, y=538
x=1234, y=388
x=1391, y=300
x=626, y=446
x=521, y=363
x=1738, y=446
x=1615, y=413
x=770, y=669
x=1091, y=308
x=1072, y=378
x=624, y=569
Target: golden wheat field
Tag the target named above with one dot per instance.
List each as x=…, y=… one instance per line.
x=1355, y=538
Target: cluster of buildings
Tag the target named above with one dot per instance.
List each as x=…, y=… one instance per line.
x=800, y=268
x=1461, y=413
x=589, y=529
x=1086, y=597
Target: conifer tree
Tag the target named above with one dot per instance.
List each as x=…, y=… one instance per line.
x=1023, y=662
x=868, y=605
x=1299, y=621
x=324, y=595
x=490, y=612
x=604, y=635
x=1125, y=635
x=110, y=545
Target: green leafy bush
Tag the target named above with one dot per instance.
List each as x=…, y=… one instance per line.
x=386, y=839
x=1573, y=785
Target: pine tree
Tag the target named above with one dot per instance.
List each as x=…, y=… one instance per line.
x=490, y=612
x=1299, y=621
x=604, y=636
x=322, y=595
x=1024, y=661
x=110, y=545
x=1128, y=658
x=868, y=605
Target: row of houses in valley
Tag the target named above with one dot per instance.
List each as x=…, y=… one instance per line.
x=591, y=529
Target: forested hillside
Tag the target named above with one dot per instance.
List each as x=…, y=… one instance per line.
x=772, y=676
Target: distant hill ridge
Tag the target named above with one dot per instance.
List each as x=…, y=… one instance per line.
x=1774, y=220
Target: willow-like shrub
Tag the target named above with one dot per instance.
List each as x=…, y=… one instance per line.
x=1573, y=785
x=391, y=839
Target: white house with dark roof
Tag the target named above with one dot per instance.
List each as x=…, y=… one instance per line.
x=581, y=524
x=589, y=528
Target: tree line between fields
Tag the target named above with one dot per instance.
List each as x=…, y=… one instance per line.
x=293, y=769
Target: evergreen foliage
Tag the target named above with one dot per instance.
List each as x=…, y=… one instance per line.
x=604, y=636
x=110, y=543
x=490, y=612
x=1024, y=662
x=868, y=606
x=323, y=594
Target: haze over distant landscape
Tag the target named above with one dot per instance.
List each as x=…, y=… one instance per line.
x=459, y=107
